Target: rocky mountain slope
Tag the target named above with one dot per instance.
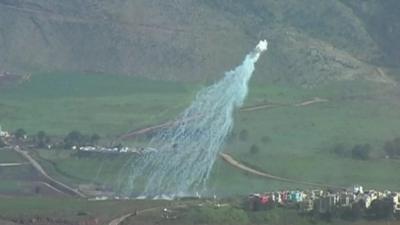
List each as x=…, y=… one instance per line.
x=311, y=41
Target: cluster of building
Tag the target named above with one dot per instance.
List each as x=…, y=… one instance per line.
x=322, y=201
x=116, y=149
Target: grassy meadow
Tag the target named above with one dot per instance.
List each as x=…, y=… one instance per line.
x=290, y=141
x=297, y=142
x=103, y=104
x=73, y=211
x=9, y=156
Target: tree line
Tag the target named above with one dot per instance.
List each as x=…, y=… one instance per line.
x=43, y=140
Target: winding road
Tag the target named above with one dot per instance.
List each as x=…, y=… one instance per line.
x=55, y=184
x=230, y=160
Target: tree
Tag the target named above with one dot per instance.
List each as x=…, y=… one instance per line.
x=94, y=139
x=2, y=143
x=340, y=150
x=392, y=148
x=74, y=138
x=37, y=190
x=20, y=134
x=41, y=139
x=254, y=149
x=361, y=152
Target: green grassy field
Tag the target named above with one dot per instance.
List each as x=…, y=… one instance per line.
x=70, y=210
x=16, y=180
x=108, y=105
x=293, y=142
x=185, y=212
x=9, y=156
x=67, y=167
x=300, y=138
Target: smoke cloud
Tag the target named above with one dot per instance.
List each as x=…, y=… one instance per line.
x=180, y=157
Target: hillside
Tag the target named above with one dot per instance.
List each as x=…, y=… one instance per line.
x=311, y=42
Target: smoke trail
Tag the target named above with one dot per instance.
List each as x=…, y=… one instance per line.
x=185, y=152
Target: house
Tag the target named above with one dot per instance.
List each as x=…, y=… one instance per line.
x=396, y=202
x=307, y=205
x=325, y=204
x=345, y=199
x=296, y=196
x=370, y=196
x=4, y=134
x=358, y=189
x=260, y=201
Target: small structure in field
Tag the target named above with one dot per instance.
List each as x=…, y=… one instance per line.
x=396, y=202
x=4, y=134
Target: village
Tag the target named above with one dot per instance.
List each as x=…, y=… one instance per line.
x=328, y=202
x=315, y=201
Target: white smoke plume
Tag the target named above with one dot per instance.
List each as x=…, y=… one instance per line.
x=186, y=151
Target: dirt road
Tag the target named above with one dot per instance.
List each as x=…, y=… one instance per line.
x=61, y=187
x=119, y=220
x=314, y=100
x=229, y=159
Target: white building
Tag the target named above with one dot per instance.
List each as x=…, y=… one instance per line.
x=4, y=133
x=396, y=203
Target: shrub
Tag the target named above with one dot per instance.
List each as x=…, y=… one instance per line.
x=361, y=152
x=265, y=139
x=20, y=133
x=243, y=135
x=73, y=138
x=254, y=149
x=82, y=213
x=209, y=215
x=94, y=139
x=392, y=148
x=340, y=150
x=2, y=143
x=41, y=139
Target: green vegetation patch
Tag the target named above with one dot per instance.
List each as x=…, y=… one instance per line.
x=70, y=209
x=212, y=215
x=9, y=156
x=103, y=104
x=297, y=141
